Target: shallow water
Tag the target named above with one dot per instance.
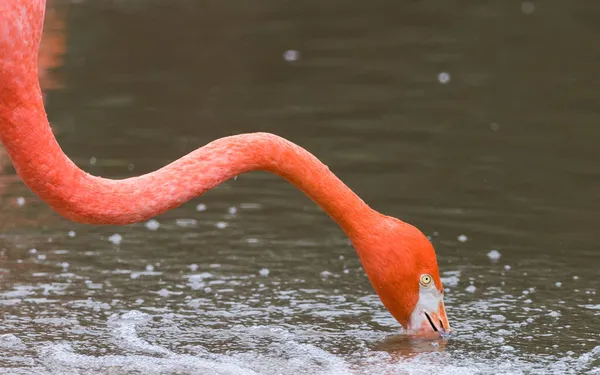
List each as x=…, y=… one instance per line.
x=477, y=123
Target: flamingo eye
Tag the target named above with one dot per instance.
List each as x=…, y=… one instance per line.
x=426, y=280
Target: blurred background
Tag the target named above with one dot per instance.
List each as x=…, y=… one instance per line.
x=476, y=122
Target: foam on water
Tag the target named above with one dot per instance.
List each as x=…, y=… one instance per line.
x=283, y=351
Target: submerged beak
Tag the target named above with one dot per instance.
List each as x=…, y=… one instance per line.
x=429, y=318
x=438, y=321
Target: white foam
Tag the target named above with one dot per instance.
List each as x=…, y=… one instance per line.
x=10, y=341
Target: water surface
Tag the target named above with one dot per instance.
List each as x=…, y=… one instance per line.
x=475, y=122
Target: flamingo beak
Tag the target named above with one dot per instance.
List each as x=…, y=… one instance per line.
x=429, y=315
x=438, y=321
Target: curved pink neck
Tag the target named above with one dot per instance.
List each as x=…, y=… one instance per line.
x=50, y=174
x=81, y=197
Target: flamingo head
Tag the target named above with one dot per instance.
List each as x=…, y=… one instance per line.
x=402, y=267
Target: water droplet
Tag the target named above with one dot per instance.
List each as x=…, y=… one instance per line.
x=201, y=207
x=462, y=238
x=527, y=7
x=93, y=160
x=186, y=223
x=291, y=55
x=221, y=224
x=115, y=239
x=71, y=234
x=444, y=78
x=494, y=255
x=471, y=289
x=264, y=272
x=152, y=225
x=20, y=201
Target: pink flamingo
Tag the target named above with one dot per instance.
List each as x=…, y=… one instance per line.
x=398, y=259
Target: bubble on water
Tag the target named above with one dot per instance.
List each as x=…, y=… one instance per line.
x=507, y=348
x=291, y=55
x=115, y=239
x=165, y=293
x=471, y=289
x=494, y=126
x=232, y=210
x=201, y=207
x=252, y=240
x=444, y=78
x=498, y=317
x=462, y=238
x=20, y=201
x=507, y=267
x=554, y=314
x=193, y=267
x=32, y=251
x=494, y=255
x=450, y=280
x=326, y=274
x=221, y=224
x=41, y=256
x=186, y=223
x=71, y=234
x=264, y=272
x=527, y=7
x=93, y=160
x=149, y=268
x=250, y=206
x=152, y=225
x=527, y=301
x=575, y=277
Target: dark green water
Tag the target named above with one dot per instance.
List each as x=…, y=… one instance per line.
x=478, y=123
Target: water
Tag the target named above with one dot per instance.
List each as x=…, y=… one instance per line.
x=475, y=122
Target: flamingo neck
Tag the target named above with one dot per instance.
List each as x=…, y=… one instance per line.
x=81, y=197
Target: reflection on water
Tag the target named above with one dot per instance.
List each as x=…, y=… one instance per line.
x=476, y=122
x=52, y=47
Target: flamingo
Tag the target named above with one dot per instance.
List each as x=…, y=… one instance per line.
x=398, y=259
